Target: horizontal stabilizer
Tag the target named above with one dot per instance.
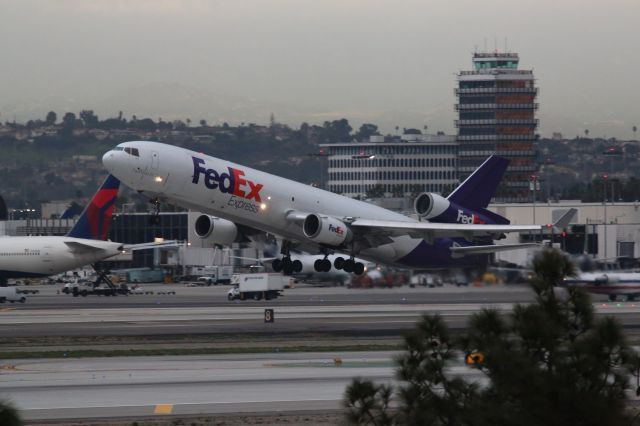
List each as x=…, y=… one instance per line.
x=566, y=218
x=464, y=251
x=79, y=247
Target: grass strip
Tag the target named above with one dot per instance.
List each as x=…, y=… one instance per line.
x=97, y=353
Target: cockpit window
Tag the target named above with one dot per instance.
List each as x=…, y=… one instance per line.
x=132, y=151
x=118, y=148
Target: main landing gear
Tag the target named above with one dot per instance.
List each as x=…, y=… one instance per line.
x=285, y=264
x=348, y=265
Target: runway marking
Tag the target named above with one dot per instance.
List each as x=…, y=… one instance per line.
x=163, y=409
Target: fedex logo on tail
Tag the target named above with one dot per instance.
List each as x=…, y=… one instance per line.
x=469, y=218
x=232, y=182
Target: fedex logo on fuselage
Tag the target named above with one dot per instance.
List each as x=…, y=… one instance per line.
x=469, y=218
x=232, y=182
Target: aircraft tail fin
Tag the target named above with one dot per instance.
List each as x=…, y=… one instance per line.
x=94, y=221
x=477, y=190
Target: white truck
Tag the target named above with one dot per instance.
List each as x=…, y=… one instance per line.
x=215, y=275
x=256, y=286
x=9, y=294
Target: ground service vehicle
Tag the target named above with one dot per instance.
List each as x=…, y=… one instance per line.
x=213, y=274
x=9, y=294
x=256, y=286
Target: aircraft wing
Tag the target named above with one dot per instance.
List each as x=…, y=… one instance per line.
x=151, y=245
x=431, y=230
x=492, y=248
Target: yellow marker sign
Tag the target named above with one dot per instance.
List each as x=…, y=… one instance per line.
x=163, y=409
x=475, y=358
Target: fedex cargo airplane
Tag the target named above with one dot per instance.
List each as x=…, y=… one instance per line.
x=27, y=257
x=241, y=203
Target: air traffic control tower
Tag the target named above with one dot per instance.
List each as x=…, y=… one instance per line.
x=496, y=114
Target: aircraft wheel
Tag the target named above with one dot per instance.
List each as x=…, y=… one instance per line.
x=358, y=268
x=326, y=265
x=317, y=265
x=297, y=266
x=287, y=266
x=276, y=265
x=348, y=265
x=338, y=262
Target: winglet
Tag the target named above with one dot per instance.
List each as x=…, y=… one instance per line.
x=565, y=219
x=94, y=221
x=478, y=189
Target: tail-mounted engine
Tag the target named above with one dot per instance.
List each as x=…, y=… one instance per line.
x=326, y=230
x=221, y=231
x=428, y=205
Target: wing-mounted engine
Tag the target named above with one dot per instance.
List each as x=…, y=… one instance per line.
x=326, y=230
x=220, y=231
x=429, y=205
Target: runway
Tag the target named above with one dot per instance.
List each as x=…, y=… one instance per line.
x=302, y=295
x=199, y=311
x=269, y=382
x=117, y=387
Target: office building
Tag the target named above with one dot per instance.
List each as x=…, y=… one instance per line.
x=400, y=168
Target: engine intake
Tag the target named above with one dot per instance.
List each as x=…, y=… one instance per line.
x=326, y=230
x=429, y=205
x=221, y=231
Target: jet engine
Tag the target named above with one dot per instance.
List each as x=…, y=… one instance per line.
x=428, y=205
x=221, y=231
x=326, y=230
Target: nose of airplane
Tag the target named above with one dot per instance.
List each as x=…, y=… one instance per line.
x=108, y=161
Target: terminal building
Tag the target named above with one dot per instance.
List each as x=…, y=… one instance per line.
x=496, y=115
x=398, y=168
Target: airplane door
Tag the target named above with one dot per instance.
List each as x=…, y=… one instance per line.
x=155, y=160
x=47, y=260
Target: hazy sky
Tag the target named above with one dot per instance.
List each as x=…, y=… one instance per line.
x=391, y=62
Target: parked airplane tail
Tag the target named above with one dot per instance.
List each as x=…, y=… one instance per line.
x=94, y=221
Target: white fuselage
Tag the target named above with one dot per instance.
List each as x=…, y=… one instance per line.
x=46, y=255
x=612, y=283
x=171, y=174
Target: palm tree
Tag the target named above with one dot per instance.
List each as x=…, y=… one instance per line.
x=635, y=129
x=586, y=132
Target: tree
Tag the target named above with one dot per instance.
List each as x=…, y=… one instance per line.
x=203, y=123
x=9, y=415
x=635, y=129
x=586, y=132
x=89, y=119
x=51, y=118
x=69, y=120
x=551, y=363
x=376, y=191
x=366, y=131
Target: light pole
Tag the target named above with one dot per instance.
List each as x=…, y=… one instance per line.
x=605, y=177
x=534, y=186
